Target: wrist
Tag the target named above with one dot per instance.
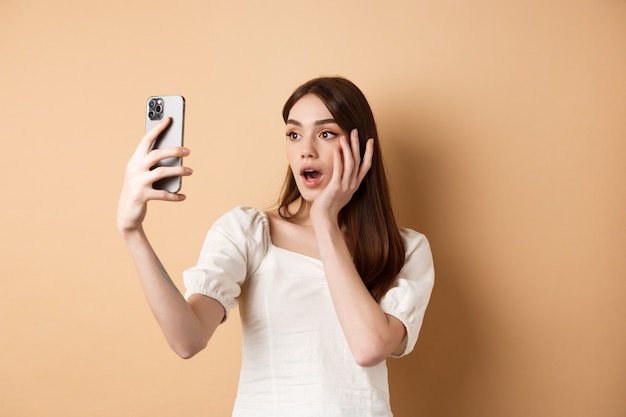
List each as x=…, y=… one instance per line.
x=324, y=221
x=130, y=234
x=327, y=230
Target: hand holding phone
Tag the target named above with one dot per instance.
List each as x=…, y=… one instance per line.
x=158, y=108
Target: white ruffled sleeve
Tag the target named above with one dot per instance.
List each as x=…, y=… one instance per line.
x=232, y=251
x=408, y=297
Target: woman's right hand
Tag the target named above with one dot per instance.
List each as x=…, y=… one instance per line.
x=137, y=189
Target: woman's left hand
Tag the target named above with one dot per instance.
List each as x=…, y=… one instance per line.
x=348, y=172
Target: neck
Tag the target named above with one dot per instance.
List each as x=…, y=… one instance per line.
x=303, y=218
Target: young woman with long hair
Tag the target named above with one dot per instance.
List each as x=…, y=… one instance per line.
x=328, y=286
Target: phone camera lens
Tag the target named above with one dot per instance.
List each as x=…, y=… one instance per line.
x=155, y=108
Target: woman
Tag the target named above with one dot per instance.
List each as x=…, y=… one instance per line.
x=327, y=285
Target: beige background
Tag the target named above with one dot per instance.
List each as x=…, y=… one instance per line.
x=504, y=128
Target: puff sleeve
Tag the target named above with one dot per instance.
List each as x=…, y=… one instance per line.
x=408, y=298
x=232, y=250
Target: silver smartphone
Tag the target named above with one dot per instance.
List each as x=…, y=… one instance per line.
x=158, y=108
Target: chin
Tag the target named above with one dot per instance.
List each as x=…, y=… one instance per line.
x=308, y=195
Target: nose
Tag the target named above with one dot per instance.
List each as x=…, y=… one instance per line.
x=307, y=147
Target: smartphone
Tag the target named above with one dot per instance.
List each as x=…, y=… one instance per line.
x=158, y=108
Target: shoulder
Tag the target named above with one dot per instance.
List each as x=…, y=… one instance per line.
x=246, y=220
x=243, y=231
x=246, y=225
x=413, y=240
x=418, y=255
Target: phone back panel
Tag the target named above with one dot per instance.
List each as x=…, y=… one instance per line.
x=158, y=108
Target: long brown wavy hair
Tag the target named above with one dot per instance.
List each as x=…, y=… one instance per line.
x=374, y=239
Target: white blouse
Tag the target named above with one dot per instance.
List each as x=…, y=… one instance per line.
x=296, y=360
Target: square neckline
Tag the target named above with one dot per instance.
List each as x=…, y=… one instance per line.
x=268, y=231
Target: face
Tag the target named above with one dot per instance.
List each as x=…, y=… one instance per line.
x=312, y=137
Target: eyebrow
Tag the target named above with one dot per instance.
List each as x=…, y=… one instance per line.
x=317, y=122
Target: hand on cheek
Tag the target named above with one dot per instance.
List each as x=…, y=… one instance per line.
x=348, y=172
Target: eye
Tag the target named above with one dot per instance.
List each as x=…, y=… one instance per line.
x=293, y=135
x=327, y=134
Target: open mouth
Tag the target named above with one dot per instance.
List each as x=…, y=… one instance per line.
x=310, y=174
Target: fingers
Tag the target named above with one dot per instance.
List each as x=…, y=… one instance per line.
x=145, y=164
x=355, y=146
x=366, y=164
x=349, y=163
x=336, y=176
x=355, y=168
x=145, y=157
x=157, y=155
x=144, y=169
x=151, y=135
x=166, y=196
x=138, y=188
x=164, y=172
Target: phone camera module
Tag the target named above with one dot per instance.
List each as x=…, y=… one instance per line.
x=155, y=109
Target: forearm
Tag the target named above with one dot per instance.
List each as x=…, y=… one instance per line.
x=187, y=327
x=371, y=334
